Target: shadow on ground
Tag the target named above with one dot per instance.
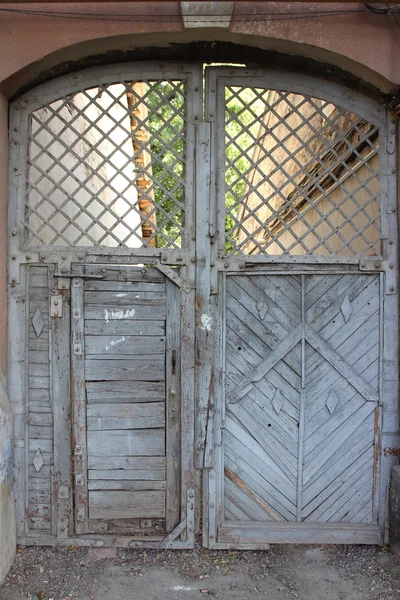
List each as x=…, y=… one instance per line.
x=284, y=572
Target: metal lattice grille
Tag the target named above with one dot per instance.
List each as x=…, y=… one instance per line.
x=106, y=167
x=301, y=175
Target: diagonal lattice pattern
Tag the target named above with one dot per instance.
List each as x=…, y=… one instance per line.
x=106, y=167
x=301, y=176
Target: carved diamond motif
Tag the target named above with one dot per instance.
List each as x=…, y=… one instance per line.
x=346, y=308
x=277, y=401
x=38, y=322
x=332, y=401
x=38, y=460
x=262, y=305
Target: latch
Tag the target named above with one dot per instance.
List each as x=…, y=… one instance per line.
x=56, y=306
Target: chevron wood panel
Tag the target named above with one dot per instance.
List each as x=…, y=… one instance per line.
x=300, y=425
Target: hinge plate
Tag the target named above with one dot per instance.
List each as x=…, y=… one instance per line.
x=56, y=305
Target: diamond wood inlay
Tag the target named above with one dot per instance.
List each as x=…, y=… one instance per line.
x=38, y=460
x=346, y=309
x=38, y=322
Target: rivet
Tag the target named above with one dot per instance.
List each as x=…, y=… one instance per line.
x=212, y=264
x=55, y=302
x=391, y=288
x=193, y=260
x=15, y=168
x=226, y=265
x=14, y=257
x=14, y=232
x=28, y=257
x=42, y=257
x=64, y=257
x=211, y=536
x=393, y=171
x=81, y=257
x=63, y=286
x=196, y=118
x=391, y=266
x=377, y=265
x=393, y=210
x=16, y=128
x=56, y=314
x=241, y=266
x=211, y=288
x=143, y=271
x=211, y=114
x=390, y=242
x=196, y=89
x=103, y=270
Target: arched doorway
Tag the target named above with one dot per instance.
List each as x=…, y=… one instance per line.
x=209, y=284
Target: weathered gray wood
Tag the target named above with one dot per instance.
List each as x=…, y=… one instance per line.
x=41, y=418
x=124, y=327
x=78, y=394
x=61, y=400
x=124, y=474
x=123, y=299
x=124, y=391
x=126, y=505
x=204, y=316
x=173, y=404
x=123, y=286
x=125, y=416
x=257, y=534
x=135, y=369
x=134, y=274
x=126, y=462
x=125, y=344
x=147, y=310
x=139, y=442
x=128, y=485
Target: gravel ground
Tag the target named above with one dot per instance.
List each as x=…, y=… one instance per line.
x=282, y=573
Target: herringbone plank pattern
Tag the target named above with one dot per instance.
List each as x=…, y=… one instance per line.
x=272, y=472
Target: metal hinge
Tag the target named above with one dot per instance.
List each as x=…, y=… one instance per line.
x=56, y=305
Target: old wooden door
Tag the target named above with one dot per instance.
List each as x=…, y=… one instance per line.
x=202, y=282
x=126, y=400
x=103, y=254
x=300, y=309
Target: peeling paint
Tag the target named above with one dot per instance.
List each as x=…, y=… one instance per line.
x=206, y=322
x=110, y=315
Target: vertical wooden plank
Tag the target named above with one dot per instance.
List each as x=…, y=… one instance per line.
x=173, y=406
x=17, y=394
x=300, y=458
x=204, y=317
x=79, y=405
x=61, y=401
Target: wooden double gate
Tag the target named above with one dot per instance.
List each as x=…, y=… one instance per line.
x=203, y=309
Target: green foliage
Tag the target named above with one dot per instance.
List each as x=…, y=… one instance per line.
x=166, y=101
x=167, y=121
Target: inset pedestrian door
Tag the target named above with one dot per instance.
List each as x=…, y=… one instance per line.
x=203, y=299
x=126, y=400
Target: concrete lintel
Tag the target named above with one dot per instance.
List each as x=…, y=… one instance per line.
x=207, y=14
